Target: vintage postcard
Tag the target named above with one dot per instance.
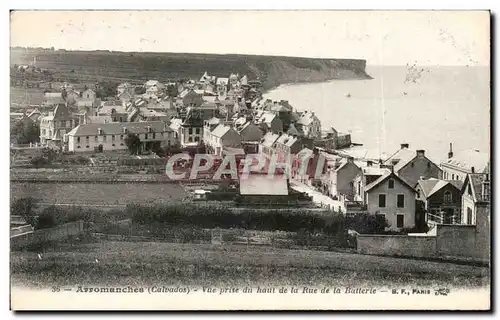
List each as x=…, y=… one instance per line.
x=250, y=160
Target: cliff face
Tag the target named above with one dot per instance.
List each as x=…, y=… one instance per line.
x=130, y=66
x=283, y=72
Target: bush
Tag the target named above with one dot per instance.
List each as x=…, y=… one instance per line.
x=191, y=215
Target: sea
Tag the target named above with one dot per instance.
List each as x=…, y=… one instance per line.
x=426, y=107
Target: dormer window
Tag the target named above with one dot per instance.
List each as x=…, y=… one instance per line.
x=99, y=131
x=124, y=130
x=149, y=128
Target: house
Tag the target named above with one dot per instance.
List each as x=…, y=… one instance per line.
x=369, y=173
x=287, y=146
x=206, y=79
x=53, y=99
x=125, y=87
x=341, y=178
x=441, y=199
x=393, y=198
x=233, y=81
x=456, y=167
x=191, y=98
x=223, y=136
x=208, y=126
x=125, y=96
x=248, y=131
x=88, y=95
x=266, y=146
x=191, y=130
x=413, y=165
x=34, y=115
x=111, y=136
x=55, y=125
x=309, y=124
x=476, y=197
x=268, y=121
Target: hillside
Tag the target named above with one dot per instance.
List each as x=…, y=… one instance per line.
x=121, y=66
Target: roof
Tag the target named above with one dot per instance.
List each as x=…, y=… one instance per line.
x=385, y=177
x=99, y=119
x=427, y=185
x=439, y=185
x=404, y=156
x=175, y=124
x=213, y=120
x=221, y=130
x=292, y=130
x=269, y=139
x=193, y=118
x=84, y=103
x=61, y=112
x=286, y=140
x=476, y=181
x=467, y=159
x=263, y=184
x=307, y=118
x=233, y=151
x=222, y=81
x=116, y=128
x=266, y=117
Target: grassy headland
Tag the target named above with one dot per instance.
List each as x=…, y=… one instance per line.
x=140, y=66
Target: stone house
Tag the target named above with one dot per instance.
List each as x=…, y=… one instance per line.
x=441, y=199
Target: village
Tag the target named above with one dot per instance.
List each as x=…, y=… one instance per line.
x=441, y=209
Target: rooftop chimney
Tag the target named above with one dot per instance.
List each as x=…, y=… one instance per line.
x=350, y=159
x=472, y=169
x=420, y=153
x=450, y=154
x=405, y=145
x=280, y=133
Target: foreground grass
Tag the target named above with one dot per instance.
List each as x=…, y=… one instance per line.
x=146, y=263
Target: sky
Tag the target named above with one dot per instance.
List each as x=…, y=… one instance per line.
x=380, y=37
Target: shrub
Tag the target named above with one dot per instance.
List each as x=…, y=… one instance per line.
x=191, y=215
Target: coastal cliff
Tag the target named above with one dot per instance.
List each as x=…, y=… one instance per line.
x=139, y=66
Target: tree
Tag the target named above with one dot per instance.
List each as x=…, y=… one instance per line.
x=25, y=131
x=133, y=143
x=25, y=207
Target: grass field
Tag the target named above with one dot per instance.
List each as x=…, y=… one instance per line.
x=89, y=193
x=25, y=96
x=146, y=263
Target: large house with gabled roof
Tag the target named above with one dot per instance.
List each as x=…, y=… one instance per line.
x=393, y=198
x=413, y=165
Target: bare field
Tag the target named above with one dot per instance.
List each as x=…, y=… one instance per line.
x=147, y=263
x=25, y=96
x=99, y=193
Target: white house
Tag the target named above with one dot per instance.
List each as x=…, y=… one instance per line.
x=111, y=136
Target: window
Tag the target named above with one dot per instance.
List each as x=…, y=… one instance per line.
x=190, y=139
x=154, y=135
x=113, y=144
x=87, y=138
x=96, y=138
x=428, y=165
x=121, y=137
x=469, y=191
x=197, y=130
x=104, y=138
x=391, y=184
x=87, y=147
x=418, y=193
x=469, y=216
x=146, y=136
x=113, y=137
x=447, y=196
x=401, y=200
x=400, y=220
x=381, y=200
x=196, y=139
x=78, y=139
x=121, y=144
x=78, y=147
x=190, y=130
x=453, y=177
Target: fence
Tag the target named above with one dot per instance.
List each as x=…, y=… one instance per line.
x=44, y=235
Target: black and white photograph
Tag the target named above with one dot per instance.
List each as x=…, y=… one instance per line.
x=250, y=160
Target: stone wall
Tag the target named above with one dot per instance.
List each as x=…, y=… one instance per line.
x=397, y=245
